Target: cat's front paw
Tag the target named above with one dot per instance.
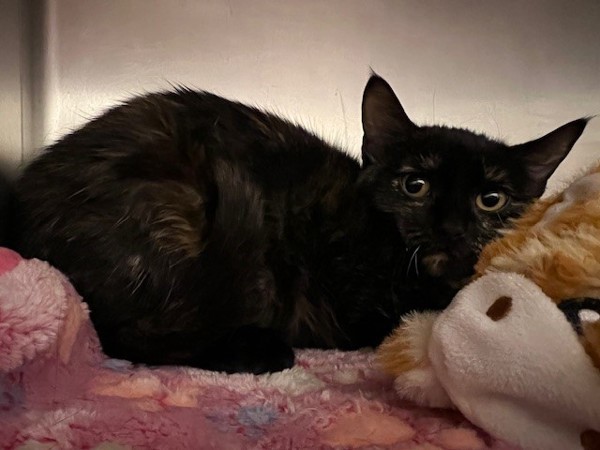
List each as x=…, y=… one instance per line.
x=250, y=350
x=404, y=355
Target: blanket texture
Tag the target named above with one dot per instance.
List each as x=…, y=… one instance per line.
x=57, y=390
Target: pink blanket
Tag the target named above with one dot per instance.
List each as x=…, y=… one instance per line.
x=57, y=390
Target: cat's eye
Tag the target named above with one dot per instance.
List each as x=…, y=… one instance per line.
x=415, y=185
x=491, y=201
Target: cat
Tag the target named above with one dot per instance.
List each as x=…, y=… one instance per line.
x=207, y=233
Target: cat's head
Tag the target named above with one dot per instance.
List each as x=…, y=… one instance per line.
x=450, y=190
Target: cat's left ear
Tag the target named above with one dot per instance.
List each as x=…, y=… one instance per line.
x=382, y=116
x=542, y=156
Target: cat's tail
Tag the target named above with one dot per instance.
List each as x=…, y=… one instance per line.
x=239, y=216
x=235, y=254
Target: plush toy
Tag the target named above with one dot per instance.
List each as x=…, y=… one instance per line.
x=518, y=349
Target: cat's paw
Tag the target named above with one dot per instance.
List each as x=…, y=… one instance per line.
x=250, y=350
x=405, y=356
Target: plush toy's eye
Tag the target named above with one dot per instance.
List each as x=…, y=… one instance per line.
x=491, y=201
x=415, y=186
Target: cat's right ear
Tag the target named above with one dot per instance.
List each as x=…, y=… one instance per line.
x=382, y=116
x=542, y=156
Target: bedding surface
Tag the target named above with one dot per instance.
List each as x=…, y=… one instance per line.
x=58, y=390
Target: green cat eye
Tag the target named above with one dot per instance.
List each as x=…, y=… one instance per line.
x=491, y=201
x=415, y=186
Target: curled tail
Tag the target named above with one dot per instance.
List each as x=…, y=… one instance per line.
x=238, y=225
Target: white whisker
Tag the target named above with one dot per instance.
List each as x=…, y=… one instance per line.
x=417, y=261
x=501, y=221
x=411, y=259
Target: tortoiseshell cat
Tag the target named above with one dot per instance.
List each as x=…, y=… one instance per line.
x=208, y=233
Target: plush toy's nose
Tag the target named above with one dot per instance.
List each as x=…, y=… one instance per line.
x=502, y=349
x=500, y=308
x=590, y=440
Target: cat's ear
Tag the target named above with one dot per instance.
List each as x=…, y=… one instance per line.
x=382, y=116
x=542, y=156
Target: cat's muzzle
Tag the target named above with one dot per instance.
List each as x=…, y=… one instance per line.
x=436, y=264
x=454, y=269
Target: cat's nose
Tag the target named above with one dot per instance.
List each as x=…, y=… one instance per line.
x=454, y=230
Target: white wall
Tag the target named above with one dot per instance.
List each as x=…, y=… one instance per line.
x=11, y=129
x=513, y=69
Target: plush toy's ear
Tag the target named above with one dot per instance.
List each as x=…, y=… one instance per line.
x=542, y=156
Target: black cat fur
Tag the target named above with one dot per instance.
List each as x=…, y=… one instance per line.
x=207, y=233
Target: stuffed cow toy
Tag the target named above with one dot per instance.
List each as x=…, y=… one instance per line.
x=518, y=349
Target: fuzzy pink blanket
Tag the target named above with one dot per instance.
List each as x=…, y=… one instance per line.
x=57, y=390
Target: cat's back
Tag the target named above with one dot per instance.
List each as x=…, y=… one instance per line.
x=171, y=135
x=160, y=151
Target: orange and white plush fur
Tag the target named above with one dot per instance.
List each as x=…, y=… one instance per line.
x=503, y=353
